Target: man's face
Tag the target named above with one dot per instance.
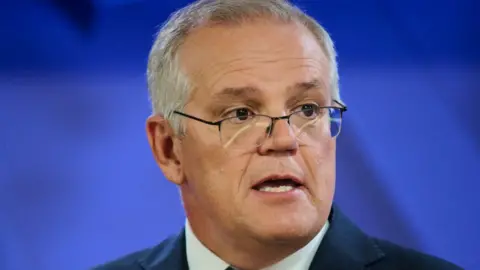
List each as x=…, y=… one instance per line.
x=256, y=68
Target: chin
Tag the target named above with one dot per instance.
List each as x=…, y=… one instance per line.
x=287, y=227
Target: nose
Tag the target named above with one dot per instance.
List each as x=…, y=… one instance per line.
x=282, y=139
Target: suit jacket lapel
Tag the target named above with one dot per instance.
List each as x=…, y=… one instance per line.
x=171, y=255
x=345, y=246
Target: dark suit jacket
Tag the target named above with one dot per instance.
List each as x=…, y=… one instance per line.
x=344, y=247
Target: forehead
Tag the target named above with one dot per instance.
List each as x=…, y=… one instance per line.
x=262, y=54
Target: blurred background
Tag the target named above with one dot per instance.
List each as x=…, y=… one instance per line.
x=78, y=184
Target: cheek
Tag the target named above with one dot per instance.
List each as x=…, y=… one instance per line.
x=210, y=168
x=215, y=181
x=320, y=163
x=201, y=148
x=230, y=170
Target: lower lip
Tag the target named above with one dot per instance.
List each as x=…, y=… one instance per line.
x=286, y=195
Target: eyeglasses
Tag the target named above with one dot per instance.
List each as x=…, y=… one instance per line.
x=310, y=123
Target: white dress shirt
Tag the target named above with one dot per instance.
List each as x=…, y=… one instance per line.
x=200, y=257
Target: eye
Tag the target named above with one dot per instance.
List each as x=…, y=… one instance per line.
x=309, y=111
x=240, y=115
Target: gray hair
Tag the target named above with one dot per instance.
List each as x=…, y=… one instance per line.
x=169, y=88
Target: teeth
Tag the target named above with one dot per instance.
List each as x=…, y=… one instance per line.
x=276, y=189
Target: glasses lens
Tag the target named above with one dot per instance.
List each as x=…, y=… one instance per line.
x=241, y=132
x=335, y=121
x=308, y=127
x=325, y=123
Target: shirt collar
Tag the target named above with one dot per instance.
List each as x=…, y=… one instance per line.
x=200, y=257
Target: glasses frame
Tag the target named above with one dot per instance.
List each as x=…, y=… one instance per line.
x=274, y=119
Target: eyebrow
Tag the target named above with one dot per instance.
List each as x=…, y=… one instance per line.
x=249, y=91
x=252, y=94
x=237, y=93
x=305, y=86
x=227, y=96
x=302, y=90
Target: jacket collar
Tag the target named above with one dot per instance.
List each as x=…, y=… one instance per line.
x=170, y=254
x=344, y=247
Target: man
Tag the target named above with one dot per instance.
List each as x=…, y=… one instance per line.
x=246, y=114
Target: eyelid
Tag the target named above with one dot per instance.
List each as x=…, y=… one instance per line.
x=306, y=103
x=226, y=113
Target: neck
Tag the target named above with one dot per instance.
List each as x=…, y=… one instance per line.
x=242, y=252
x=247, y=254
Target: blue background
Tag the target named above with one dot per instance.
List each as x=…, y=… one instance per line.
x=78, y=184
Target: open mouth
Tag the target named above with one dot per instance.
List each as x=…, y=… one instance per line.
x=277, y=185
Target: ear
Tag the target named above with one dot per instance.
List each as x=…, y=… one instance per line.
x=165, y=148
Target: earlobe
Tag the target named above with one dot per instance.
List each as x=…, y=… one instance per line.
x=164, y=148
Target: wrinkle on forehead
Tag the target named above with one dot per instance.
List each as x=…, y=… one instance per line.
x=213, y=55
x=305, y=76
x=250, y=66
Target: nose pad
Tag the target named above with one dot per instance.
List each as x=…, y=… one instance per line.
x=270, y=129
x=281, y=140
